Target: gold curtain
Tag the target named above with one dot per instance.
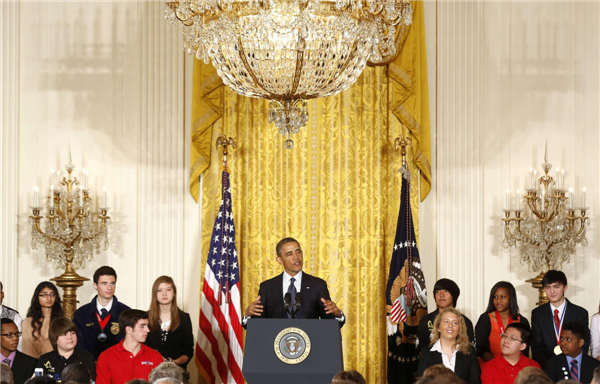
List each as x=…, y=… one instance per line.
x=337, y=191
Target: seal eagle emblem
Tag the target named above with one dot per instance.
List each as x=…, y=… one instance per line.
x=292, y=345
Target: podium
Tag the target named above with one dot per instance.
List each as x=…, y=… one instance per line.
x=292, y=351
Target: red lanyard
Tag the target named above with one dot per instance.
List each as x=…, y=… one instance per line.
x=499, y=321
x=101, y=322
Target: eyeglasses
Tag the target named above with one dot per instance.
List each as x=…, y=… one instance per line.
x=45, y=295
x=11, y=335
x=512, y=339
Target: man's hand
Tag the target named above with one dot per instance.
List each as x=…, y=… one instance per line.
x=330, y=307
x=254, y=309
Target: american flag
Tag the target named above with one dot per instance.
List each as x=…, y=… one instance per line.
x=219, y=348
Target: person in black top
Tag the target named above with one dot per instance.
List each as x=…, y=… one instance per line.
x=21, y=365
x=63, y=336
x=446, y=294
x=170, y=327
x=98, y=322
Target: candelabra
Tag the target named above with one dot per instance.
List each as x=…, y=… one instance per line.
x=70, y=232
x=548, y=229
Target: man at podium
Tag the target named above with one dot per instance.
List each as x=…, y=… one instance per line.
x=293, y=293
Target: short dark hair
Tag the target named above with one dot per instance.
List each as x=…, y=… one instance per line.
x=523, y=329
x=597, y=374
x=554, y=276
x=6, y=320
x=41, y=380
x=1, y=286
x=284, y=241
x=348, y=377
x=60, y=326
x=576, y=329
x=76, y=373
x=130, y=318
x=105, y=270
x=447, y=285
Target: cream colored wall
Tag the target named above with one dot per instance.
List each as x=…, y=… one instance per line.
x=108, y=78
x=504, y=77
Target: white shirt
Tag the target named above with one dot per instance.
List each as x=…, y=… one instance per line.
x=449, y=363
x=286, y=282
x=595, y=332
x=99, y=307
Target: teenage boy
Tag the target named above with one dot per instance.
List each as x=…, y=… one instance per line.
x=547, y=319
x=98, y=322
x=446, y=294
x=9, y=313
x=63, y=336
x=573, y=364
x=130, y=359
x=21, y=365
x=504, y=369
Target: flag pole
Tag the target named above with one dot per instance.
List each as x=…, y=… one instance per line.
x=222, y=144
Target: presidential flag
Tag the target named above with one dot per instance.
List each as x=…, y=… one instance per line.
x=406, y=297
x=219, y=347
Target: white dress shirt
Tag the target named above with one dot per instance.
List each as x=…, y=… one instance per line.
x=595, y=332
x=449, y=362
x=99, y=307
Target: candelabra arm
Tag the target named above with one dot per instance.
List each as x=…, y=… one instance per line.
x=582, y=227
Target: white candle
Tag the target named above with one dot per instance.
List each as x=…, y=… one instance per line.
x=58, y=179
x=81, y=198
x=571, y=198
x=85, y=175
x=557, y=177
x=534, y=177
x=507, y=199
x=35, y=197
x=70, y=162
x=543, y=200
x=53, y=177
x=562, y=179
x=104, y=202
x=583, y=205
x=531, y=177
x=518, y=200
x=52, y=195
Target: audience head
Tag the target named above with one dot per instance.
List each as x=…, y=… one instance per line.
x=555, y=285
x=45, y=296
x=449, y=326
x=76, y=374
x=515, y=339
x=6, y=376
x=596, y=379
x=9, y=343
x=164, y=292
x=443, y=378
x=105, y=282
x=436, y=370
x=572, y=338
x=134, y=323
x=166, y=373
x=532, y=375
x=137, y=381
x=446, y=293
x=348, y=377
x=41, y=380
x=63, y=333
x=503, y=297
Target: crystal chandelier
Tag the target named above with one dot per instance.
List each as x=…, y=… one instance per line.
x=290, y=51
x=70, y=234
x=547, y=230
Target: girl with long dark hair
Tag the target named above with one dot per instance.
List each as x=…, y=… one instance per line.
x=170, y=327
x=502, y=310
x=45, y=306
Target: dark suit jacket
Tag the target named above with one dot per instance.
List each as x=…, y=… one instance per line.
x=179, y=342
x=466, y=367
x=312, y=289
x=426, y=326
x=543, y=339
x=557, y=368
x=23, y=367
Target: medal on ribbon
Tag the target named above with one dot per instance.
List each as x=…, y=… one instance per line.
x=102, y=323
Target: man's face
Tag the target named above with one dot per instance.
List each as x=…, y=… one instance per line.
x=512, y=343
x=555, y=291
x=139, y=332
x=569, y=344
x=67, y=342
x=291, y=258
x=106, y=286
x=9, y=344
x=443, y=299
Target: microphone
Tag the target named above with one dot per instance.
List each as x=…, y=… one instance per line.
x=298, y=300
x=287, y=299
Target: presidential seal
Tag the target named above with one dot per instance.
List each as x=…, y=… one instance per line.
x=292, y=345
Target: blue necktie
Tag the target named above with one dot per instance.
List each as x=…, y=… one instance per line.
x=574, y=370
x=292, y=291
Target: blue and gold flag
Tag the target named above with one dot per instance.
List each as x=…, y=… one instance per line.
x=406, y=296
